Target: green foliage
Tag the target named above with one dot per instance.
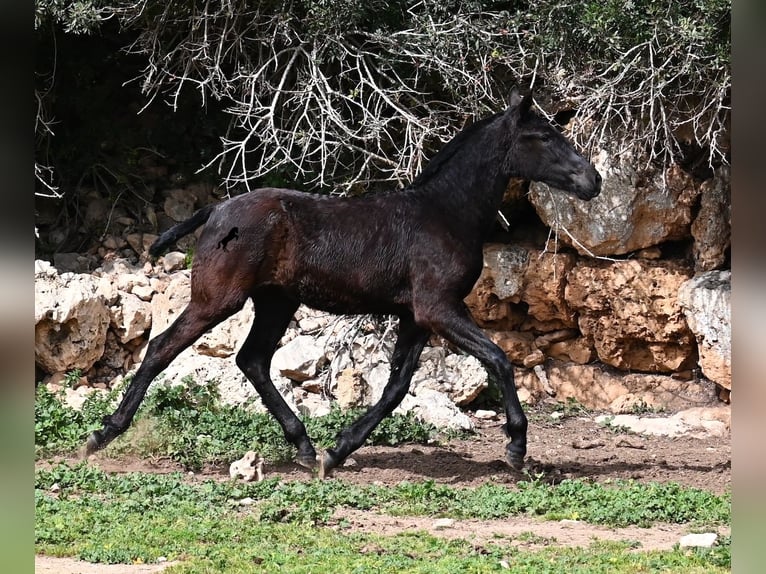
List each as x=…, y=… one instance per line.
x=137, y=517
x=74, y=16
x=59, y=427
x=191, y=425
x=393, y=430
x=56, y=425
x=72, y=377
x=189, y=258
x=608, y=423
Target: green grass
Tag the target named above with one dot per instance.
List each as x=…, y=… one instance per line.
x=190, y=424
x=290, y=527
x=139, y=517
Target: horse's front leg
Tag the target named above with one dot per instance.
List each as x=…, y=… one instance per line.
x=454, y=323
x=409, y=345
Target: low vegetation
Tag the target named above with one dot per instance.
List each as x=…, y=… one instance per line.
x=214, y=525
x=138, y=517
x=191, y=425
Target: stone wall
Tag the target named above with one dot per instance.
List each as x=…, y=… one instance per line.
x=626, y=303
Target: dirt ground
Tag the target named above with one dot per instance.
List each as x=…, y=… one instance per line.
x=569, y=447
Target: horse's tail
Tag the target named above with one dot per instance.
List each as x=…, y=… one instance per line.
x=181, y=229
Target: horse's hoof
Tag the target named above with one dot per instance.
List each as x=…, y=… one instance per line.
x=515, y=461
x=307, y=461
x=327, y=463
x=92, y=445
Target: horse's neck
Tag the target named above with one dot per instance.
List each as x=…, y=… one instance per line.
x=471, y=197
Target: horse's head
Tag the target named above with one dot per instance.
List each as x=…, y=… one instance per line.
x=539, y=152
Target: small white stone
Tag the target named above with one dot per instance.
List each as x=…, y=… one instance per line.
x=704, y=540
x=485, y=415
x=442, y=523
x=247, y=501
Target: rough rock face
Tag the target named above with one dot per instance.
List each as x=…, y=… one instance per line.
x=600, y=387
x=636, y=209
x=712, y=227
x=631, y=312
x=706, y=302
x=71, y=320
x=516, y=274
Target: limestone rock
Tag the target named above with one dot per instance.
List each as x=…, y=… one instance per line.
x=500, y=282
x=515, y=274
x=516, y=345
x=168, y=305
x=233, y=386
x=631, y=312
x=579, y=350
x=227, y=337
x=173, y=261
x=711, y=228
x=698, y=422
x=543, y=291
x=350, y=391
x=706, y=302
x=637, y=208
x=436, y=408
x=698, y=540
x=71, y=321
x=249, y=467
x=314, y=405
x=131, y=318
x=467, y=376
x=598, y=387
x=304, y=354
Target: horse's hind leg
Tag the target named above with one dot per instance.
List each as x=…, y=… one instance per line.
x=195, y=320
x=273, y=312
x=404, y=361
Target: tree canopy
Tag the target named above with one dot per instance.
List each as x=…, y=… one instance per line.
x=345, y=94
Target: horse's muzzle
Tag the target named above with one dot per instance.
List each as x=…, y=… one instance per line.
x=587, y=184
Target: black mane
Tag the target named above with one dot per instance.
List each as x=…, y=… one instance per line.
x=450, y=149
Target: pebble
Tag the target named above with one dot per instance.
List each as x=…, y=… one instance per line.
x=442, y=523
x=704, y=540
x=485, y=415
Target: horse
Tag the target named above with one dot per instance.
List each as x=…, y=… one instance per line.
x=414, y=253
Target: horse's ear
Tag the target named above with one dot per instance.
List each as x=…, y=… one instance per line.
x=519, y=104
x=526, y=104
x=515, y=98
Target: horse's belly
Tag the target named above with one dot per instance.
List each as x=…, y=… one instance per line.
x=347, y=297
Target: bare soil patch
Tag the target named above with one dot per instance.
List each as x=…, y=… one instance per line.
x=568, y=447
x=54, y=565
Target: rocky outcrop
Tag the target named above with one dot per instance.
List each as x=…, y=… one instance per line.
x=638, y=208
x=515, y=274
x=712, y=227
x=630, y=310
x=71, y=320
x=626, y=314
x=706, y=303
x=612, y=333
x=600, y=387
